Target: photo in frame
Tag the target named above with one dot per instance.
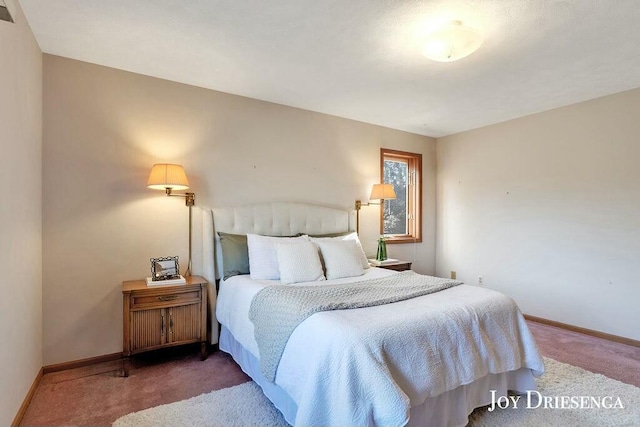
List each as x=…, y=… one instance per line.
x=165, y=268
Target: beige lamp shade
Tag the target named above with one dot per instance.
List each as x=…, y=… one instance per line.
x=383, y=192
x=166, y=175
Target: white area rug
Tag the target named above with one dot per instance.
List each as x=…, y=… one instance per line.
x=245, y=405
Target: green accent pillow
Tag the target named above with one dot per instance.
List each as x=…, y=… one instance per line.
x=235, y=254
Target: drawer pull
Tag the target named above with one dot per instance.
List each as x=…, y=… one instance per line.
x=167, y=297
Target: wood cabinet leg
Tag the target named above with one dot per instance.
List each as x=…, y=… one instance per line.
x=203, y=350
x=125, y=366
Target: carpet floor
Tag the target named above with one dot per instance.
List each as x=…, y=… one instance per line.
x=221, y=408
x=97, y=395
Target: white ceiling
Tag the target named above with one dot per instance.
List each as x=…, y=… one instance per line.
x=361, y=59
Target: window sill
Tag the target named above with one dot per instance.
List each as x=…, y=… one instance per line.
x=402, y=239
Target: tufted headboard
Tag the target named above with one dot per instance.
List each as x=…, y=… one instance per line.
x=273, y=219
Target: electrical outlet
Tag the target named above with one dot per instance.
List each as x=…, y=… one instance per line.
x=480, y=281
x=453, y=275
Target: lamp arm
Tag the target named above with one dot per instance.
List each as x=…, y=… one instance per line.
x=190, y=198
x=359, y=205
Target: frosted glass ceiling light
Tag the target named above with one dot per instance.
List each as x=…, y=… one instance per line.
x=452, y=42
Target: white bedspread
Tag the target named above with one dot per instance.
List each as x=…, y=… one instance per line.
x=368, y=366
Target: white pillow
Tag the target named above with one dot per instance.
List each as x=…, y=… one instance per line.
x=351, y=236
x=263, y=259
x=341, y=258
x=298, y=262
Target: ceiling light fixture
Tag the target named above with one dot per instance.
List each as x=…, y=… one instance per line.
x=452, y=42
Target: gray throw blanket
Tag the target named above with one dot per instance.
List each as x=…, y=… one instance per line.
x=277, y=310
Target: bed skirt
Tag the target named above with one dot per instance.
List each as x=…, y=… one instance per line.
x=451, y=408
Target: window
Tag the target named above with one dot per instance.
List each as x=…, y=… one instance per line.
x=402, y=218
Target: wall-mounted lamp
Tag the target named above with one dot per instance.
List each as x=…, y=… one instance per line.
x=380, y=192
x=169, y=177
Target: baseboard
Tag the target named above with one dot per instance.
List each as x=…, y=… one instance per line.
x=585, y=331
x=82, y=362
x=27, y=399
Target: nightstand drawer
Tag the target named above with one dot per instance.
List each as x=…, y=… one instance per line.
x=395, y=265
x=398, y=267
x=142, y=301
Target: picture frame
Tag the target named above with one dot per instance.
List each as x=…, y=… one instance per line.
x=165, y=268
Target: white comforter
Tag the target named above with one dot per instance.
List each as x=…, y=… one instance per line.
x=368, y=366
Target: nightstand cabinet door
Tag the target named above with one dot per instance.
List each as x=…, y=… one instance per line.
x=148, y=329
x=184, y=323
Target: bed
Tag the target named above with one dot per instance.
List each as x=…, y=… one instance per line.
x=425, y=361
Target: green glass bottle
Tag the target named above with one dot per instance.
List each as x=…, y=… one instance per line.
x=382, y=249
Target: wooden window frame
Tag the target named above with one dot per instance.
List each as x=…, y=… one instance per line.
x=414, y=197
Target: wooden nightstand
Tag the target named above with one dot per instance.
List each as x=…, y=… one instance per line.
x=397, y=266
x=163, y=316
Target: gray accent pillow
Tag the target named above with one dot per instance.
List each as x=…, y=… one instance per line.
x=235, y=254
x=323, y=236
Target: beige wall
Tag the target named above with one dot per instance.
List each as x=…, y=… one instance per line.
x=547, y=209
x=20, y=215
x=104, y=128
